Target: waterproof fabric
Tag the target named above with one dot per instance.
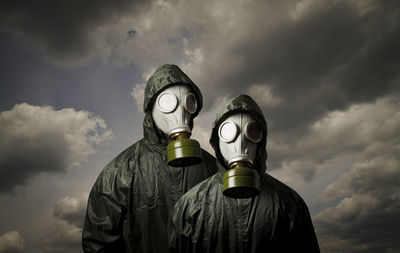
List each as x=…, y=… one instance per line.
x=131, y=200
x=276, y=220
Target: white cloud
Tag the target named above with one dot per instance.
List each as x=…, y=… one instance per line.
x=64, y=233
x=62, y=238
x=192, y=63
x=11, y=242
x=138, y=95
x=138, y=90
x=41, y=139
x=72, y=210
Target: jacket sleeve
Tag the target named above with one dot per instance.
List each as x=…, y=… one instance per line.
x=106, y=210
x=305, y=237
x=311, y=238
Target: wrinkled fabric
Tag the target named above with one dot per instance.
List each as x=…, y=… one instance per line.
x=276, y=220
x=133, y=196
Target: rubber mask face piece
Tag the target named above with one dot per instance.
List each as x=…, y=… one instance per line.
x=172, y=112
x=239, y=136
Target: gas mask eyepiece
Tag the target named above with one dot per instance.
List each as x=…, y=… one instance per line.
x=239, y=136
x=172, y=113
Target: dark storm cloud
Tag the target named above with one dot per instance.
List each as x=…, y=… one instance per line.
x=63, y=28
x=322, y=71
x=300, y=60
x=365, y=199
x=328, y=58
x=40, y=139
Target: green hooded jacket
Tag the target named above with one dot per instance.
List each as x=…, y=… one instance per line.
x=276, y=220
x=131, y=200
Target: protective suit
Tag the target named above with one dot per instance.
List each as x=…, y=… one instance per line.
x=131, y=200
x=275, y=220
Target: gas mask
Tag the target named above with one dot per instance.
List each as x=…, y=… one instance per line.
x=172, y=112
x=239, y=136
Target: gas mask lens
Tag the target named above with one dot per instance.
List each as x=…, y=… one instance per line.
x=228, y=131
x=190, y=103
x=167, y=102
x=253, y=132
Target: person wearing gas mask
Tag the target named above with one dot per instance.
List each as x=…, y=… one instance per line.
x=241, y=208
x=131, y=200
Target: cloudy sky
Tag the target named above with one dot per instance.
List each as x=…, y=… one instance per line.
x=326, y=74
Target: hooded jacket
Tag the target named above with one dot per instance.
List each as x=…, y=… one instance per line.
x=276, y=220
x=131, y=200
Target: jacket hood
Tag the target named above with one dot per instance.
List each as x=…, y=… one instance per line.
x=241, y=104
x=163, y=77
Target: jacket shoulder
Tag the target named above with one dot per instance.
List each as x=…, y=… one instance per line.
x=286, y=195
x=120, y=162
x=292, y=206
x=195, y=198
x=117, y=174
